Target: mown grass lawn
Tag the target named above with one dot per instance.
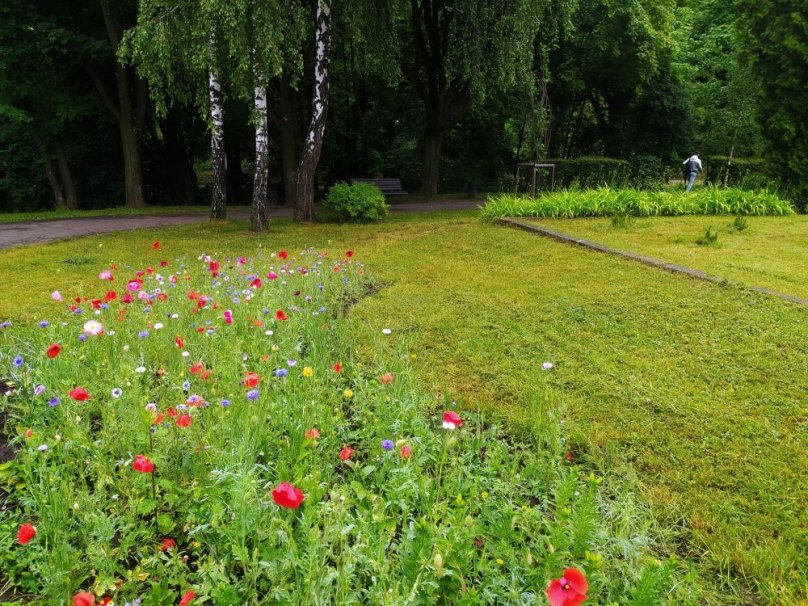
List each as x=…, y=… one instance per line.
x=120, y=211
x=771, y=251
x=689, y=393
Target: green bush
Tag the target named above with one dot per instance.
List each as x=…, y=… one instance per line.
x=749, y=172
x=605, y=201
x=357, y=203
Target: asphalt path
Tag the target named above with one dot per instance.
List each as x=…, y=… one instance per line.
x=35, y=232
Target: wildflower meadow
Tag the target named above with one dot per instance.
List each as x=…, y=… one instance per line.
x=201, y=431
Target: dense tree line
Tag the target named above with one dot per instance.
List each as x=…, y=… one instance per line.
x=104, y=102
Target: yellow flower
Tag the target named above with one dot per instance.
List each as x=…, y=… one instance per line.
x=348, y=393
x=500, y=561
x=307, y=371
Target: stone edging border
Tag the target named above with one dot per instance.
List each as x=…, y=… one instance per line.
x=650, y=261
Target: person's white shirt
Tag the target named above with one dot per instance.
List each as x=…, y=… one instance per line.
x=696, y=159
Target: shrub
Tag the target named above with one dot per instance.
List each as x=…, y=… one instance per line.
x=749, y=172
x=357, y=203
x=605, y=201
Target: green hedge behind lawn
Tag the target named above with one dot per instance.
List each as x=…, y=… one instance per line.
x=608, y=202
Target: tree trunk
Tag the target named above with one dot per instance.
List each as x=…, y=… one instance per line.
x=71, y=199
x=218, y=202
x=433, y=141
x=259, y=214
x=50, y=172
x=130, y=115
x=304, y=207
x=285, y=123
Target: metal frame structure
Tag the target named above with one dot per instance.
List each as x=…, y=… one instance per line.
x=535, y=169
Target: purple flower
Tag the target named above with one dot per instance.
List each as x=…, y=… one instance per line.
x=82, y=337
x=39, y=390
x=117, y=393
x=18, y=361
x=225, y=402
x=281, y=372
x=5, y=324
x=253, y=394
x=54, y=401
x=143, y=334
x=44, y=324
x=387, y=444
x=291, y=362
x=186, y=386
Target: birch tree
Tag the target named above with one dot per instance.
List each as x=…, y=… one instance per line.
x=310, y=155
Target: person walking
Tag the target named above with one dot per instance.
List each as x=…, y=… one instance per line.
x=691, y=167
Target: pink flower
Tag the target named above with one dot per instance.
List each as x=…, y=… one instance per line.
x=133, y=285
x=272, y=276
x=228, y=316
x=56, y=296
x=451, y=420
x=312, y=434
x=569, y=590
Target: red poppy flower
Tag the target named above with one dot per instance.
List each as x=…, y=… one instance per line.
x=337, y=367
x=186, y=599
x=569, y=457
x=387, y=378
x=155, y=245
x=26, y=533
x=196, y=368
x=179, y=342
x=79, y=394
x=172, y=413
x=569, y=590
x=205, y=375
x=126, y=298
x=96, y=303
x=110, y=296
x=162, y=297
x=158, y=418
x=312, y=434
x=142, y=464
x=163, y=263
x=281, y=315
x=29, y=433
x=214, y=268
x=349, y=253
x=54, y=350
x=287, y=495
x=406, y=452
x=251, y=380
x=346, y=453
x=283, y=255
x=256, y=283
x=167, y=543
x=83, y=598
x=184, y=420
x=150, y=270
x=451, y=420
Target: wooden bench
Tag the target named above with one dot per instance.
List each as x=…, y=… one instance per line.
x=388, y=187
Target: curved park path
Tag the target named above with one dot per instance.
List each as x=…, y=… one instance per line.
x=35, y=232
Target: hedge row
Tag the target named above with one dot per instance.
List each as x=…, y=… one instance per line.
x=609, y=202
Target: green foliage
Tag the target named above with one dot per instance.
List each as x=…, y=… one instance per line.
x=609, y=202
x=710, y=237
x=751, y=173
x=740, y=223
x=356, y=203
x=585, y=172
x=469, y=515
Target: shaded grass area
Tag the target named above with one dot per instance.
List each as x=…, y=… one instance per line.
x=770, y=251
x=120, y=211
x=696, y=391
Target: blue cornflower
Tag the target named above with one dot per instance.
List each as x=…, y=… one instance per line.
x=82, y=337
x=281, y=372
x=225, y=402
x=387, y=444
x=54, y=401
x=186, y=386
x=39, y=390
x=5, y=324
x=253, y=394
x=291, y=362
x=143, y=334
x=18, y=361
x=78, y=310
x=44, y=324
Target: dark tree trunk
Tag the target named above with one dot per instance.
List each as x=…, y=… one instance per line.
x=433, y=141
x=130, y=111
x=304, y=206
x=218, y=202
x=445, y=99
x=71, y=199
x=259, y=213
x=50, y=172
x=285, y=122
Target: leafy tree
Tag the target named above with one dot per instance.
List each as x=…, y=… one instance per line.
x=774, y=41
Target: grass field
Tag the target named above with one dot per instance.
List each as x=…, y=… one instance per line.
x=120, y=211
x=771, y=251
x=689, y=393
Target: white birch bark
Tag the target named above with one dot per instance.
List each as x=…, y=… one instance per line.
x=310, y=156
x=260, y=211
x=218, y=208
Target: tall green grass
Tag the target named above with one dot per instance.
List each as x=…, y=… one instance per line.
x=605, y=201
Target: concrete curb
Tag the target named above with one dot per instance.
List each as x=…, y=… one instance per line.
x=650, y=261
